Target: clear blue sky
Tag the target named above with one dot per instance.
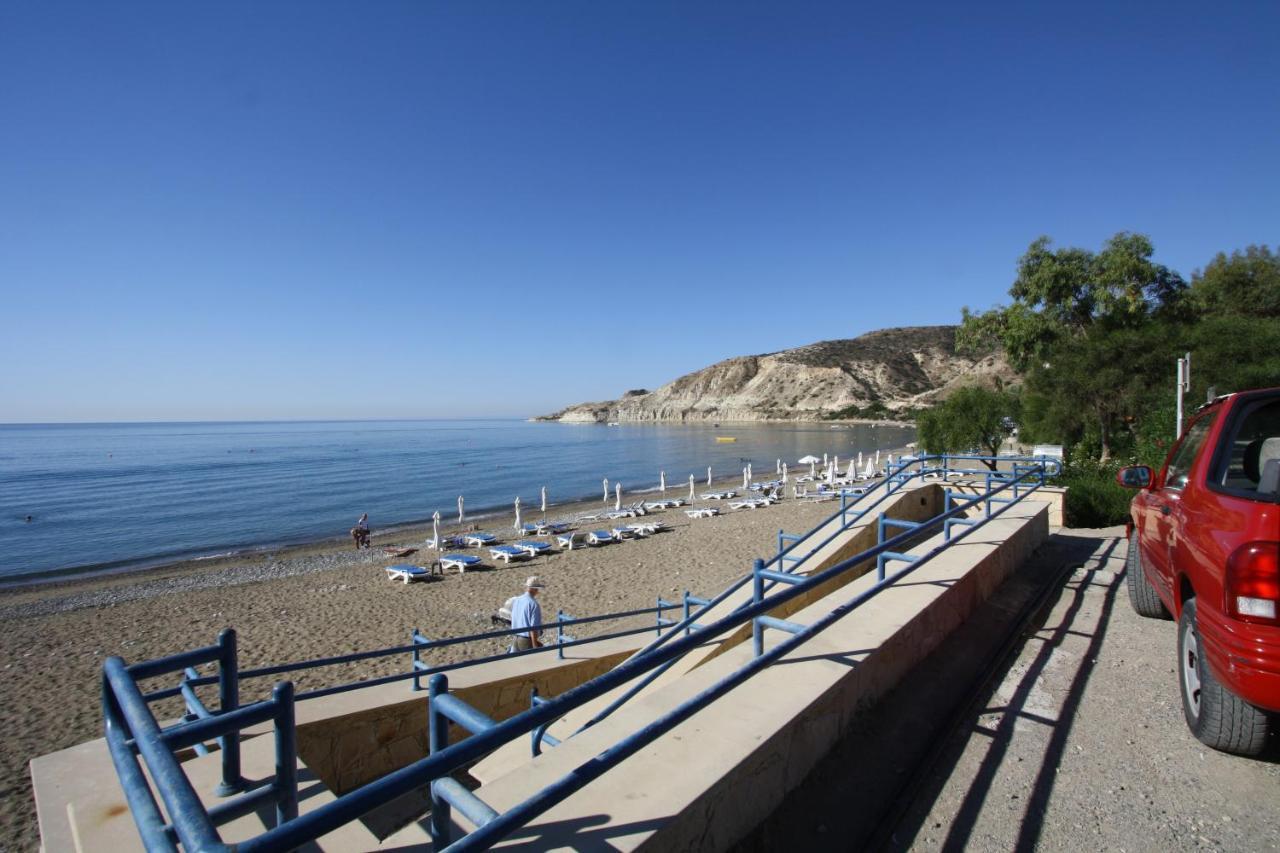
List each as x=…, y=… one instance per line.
x=309, y=210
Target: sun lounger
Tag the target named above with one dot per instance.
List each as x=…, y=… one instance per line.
x=398, y=550
x=479, y=540
x=532, y=547
x=408, y=573
x=750, y=504
x=620, y=533
x=702, y=512
x=620, y=513
x=445, y=542
x=461, y=562
x=647, y=528
x=599, y=537
x=507, y=553
x=568, y=540
x=590, y=516
x=719, y=496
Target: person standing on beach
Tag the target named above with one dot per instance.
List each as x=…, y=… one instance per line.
x=527, y=613
x=360, y=532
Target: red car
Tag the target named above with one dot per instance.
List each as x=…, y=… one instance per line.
x=1204, y=548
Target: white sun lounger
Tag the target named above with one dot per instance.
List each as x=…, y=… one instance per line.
x=647, y=528
x=479, y=540
x=620, y=513
x=461, y=562
x=568, y=540
x=719, y=496
x=749, y=504
x=507, y=553
x=532, y=547
x=620, y=533
x=702, y=512
x=599, y=537
x=408, y=573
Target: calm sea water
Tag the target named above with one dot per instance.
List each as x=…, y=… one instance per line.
x=111, y=496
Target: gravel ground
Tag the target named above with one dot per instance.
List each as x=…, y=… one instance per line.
x=1079, y=744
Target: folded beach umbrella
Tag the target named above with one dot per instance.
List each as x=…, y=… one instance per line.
x=708, y=475
x=517, y=524
x=777, y=468
x=746, y=478
x=662, y=481
x=853, y=470
x=859, y=458
x=605, y=499
x=435, y=528
x=690, y=488
x=825, y=460
x=544, y=500
x=784, y=473
x=749, y=474
x=877, y=458
x=460, y=516
x=835, y=464
x=617, y=500
x=813, y=467
x=870, y=470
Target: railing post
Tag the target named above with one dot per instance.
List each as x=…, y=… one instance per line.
x=417, y=656
x=438, y=739
x=757, y=595
x=560, y=634
x=286, y=754
x=228, y=700
x=687, y=628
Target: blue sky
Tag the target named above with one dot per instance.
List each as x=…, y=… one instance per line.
x=313, y=210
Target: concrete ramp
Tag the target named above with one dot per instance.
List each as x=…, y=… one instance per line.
x=916, y=503
x=707, y=782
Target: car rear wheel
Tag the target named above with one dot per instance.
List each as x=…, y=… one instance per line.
x=1142, y=595
x=1215, y=715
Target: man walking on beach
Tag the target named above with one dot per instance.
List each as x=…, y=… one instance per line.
x=527, y=613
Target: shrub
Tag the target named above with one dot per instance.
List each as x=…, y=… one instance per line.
x=1094, y=499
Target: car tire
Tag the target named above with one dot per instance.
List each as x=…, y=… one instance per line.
x=1216, y=716
x=1142, y=595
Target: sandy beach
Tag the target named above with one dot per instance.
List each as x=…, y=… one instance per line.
x=328, y=599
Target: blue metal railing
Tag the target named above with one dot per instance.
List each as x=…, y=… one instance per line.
x=132, y=730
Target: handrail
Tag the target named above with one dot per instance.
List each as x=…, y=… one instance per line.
x=355, y=803
x=132, y=729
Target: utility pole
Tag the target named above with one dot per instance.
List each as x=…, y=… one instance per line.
x=1184, y=385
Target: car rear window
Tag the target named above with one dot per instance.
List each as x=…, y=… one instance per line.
x=1179, y=467
x=1254, y=441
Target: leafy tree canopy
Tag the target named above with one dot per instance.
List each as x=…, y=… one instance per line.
x=971, y=417
x=1245, y=283
x=1065, y=292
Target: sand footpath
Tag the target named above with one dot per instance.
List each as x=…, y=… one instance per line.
x=326, y=599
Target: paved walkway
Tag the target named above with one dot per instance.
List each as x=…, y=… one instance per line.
x=1079, y=744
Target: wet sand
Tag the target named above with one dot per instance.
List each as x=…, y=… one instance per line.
x=329, y=599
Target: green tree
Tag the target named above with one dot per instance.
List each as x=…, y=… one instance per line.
x=971, y=417
x=1245, y=283
x=1067, y=303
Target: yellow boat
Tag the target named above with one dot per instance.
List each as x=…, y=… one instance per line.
x=725, y=439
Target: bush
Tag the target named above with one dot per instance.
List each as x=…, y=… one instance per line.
x=1094, y=499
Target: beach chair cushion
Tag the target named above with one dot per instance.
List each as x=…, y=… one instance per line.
x=533, y=547
x=478, y=539
x=507, y=553
x=461, y=562
x=408, y=573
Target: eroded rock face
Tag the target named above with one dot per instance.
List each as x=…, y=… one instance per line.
x=900, y=368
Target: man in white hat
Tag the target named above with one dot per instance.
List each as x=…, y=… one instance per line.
x=527, y=613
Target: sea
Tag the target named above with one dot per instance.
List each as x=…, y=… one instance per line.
x=80, y=499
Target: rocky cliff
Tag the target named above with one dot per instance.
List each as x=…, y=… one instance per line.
x=886, y=371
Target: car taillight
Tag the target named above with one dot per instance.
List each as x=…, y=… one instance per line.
x=1253, y=582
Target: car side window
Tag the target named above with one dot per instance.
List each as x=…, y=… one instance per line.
x=1179, y=467
x=1255, y=443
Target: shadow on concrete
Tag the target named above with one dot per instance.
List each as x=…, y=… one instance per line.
x=854, y=798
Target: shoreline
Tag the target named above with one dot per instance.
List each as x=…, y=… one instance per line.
x=47, y=595
x=75, y=578
x=319, y=600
